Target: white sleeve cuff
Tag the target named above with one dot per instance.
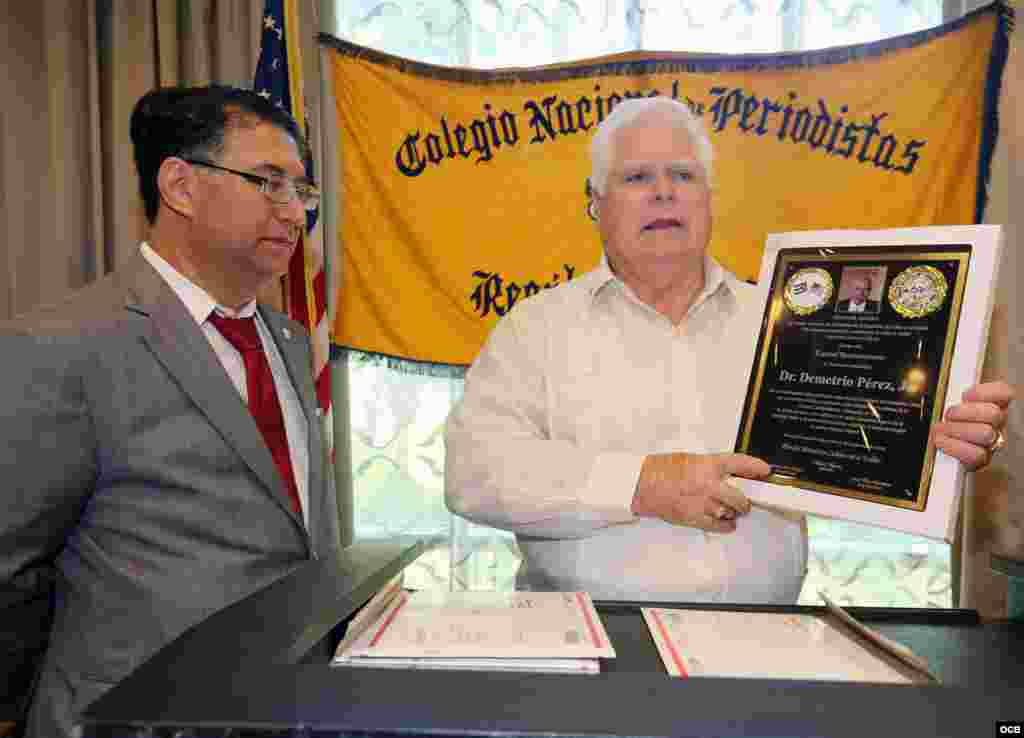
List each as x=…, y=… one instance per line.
x=612, y=484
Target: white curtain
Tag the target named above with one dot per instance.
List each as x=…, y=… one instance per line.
x=397, y=417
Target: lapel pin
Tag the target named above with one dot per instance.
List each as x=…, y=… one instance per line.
x=287, y=333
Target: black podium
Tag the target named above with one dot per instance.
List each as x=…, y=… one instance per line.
x=260, y=668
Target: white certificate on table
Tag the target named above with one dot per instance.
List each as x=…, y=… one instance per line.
x=502, y=631
x=768, y=645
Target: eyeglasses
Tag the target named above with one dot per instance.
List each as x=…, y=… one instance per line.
x=278, y=188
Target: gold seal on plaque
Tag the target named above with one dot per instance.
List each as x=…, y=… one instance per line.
x=808, y=290
x=918, y=291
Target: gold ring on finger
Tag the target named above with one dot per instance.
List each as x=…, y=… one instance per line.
x=997, y=444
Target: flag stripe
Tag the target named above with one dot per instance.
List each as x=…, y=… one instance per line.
x=296, y=285
x=294, y=58
x=320, y=292
x=279, y=78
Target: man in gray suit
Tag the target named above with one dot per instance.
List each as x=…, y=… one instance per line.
x=136, y=478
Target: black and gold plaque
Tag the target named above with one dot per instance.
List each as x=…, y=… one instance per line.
x=851, y=369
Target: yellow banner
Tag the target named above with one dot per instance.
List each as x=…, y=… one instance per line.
x=463, y=190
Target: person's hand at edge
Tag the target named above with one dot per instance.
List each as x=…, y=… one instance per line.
x=693, y=489
x=972, y=430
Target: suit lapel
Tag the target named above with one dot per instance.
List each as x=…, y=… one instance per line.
x=180, y=345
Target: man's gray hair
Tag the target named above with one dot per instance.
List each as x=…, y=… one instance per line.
x=626, y=114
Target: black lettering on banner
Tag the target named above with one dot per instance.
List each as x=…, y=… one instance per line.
x=767, y=106
x=407, y=158
x=871, y=131
x=540, y=121
x=911, y=153
x=509, y=133
x=849, y=141
x=695, y=107
x=600, y=105
x=485, y=296
x=801, y=124
x=481, y=136
x=818, y=125
x=495, y=141
x=886, y=147
x=566, y=124
x=787, y=113
x=750, y=106
x=495, y=294
x=434, y=153
x=581, y=115
x=814, y=126
x=725, y=107
x=460, y=139
x=480, y=143
x=447, y=138
x=512, y=293
x=821, y=126
x=837, y=126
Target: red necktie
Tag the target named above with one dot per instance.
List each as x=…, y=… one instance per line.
x=266, y=411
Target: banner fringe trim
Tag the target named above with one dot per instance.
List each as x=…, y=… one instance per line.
x=398, y=363
x=990, y=114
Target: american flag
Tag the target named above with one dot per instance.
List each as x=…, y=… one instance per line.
x=279, y=79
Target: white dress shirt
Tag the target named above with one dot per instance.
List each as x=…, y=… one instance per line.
x=572, y=389
x=200, y=305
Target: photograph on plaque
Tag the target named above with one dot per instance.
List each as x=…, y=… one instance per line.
x=852, y=368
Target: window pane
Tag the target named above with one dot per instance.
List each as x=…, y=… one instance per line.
x=863, y=565
x=843, y=22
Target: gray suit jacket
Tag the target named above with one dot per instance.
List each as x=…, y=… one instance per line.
x=133, y=471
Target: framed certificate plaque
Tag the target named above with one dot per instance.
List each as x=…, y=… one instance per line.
x=866, y=337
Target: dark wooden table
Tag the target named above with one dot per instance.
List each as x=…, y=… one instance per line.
x=260, y=668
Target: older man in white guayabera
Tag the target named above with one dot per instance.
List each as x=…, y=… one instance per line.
x=597, y=419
